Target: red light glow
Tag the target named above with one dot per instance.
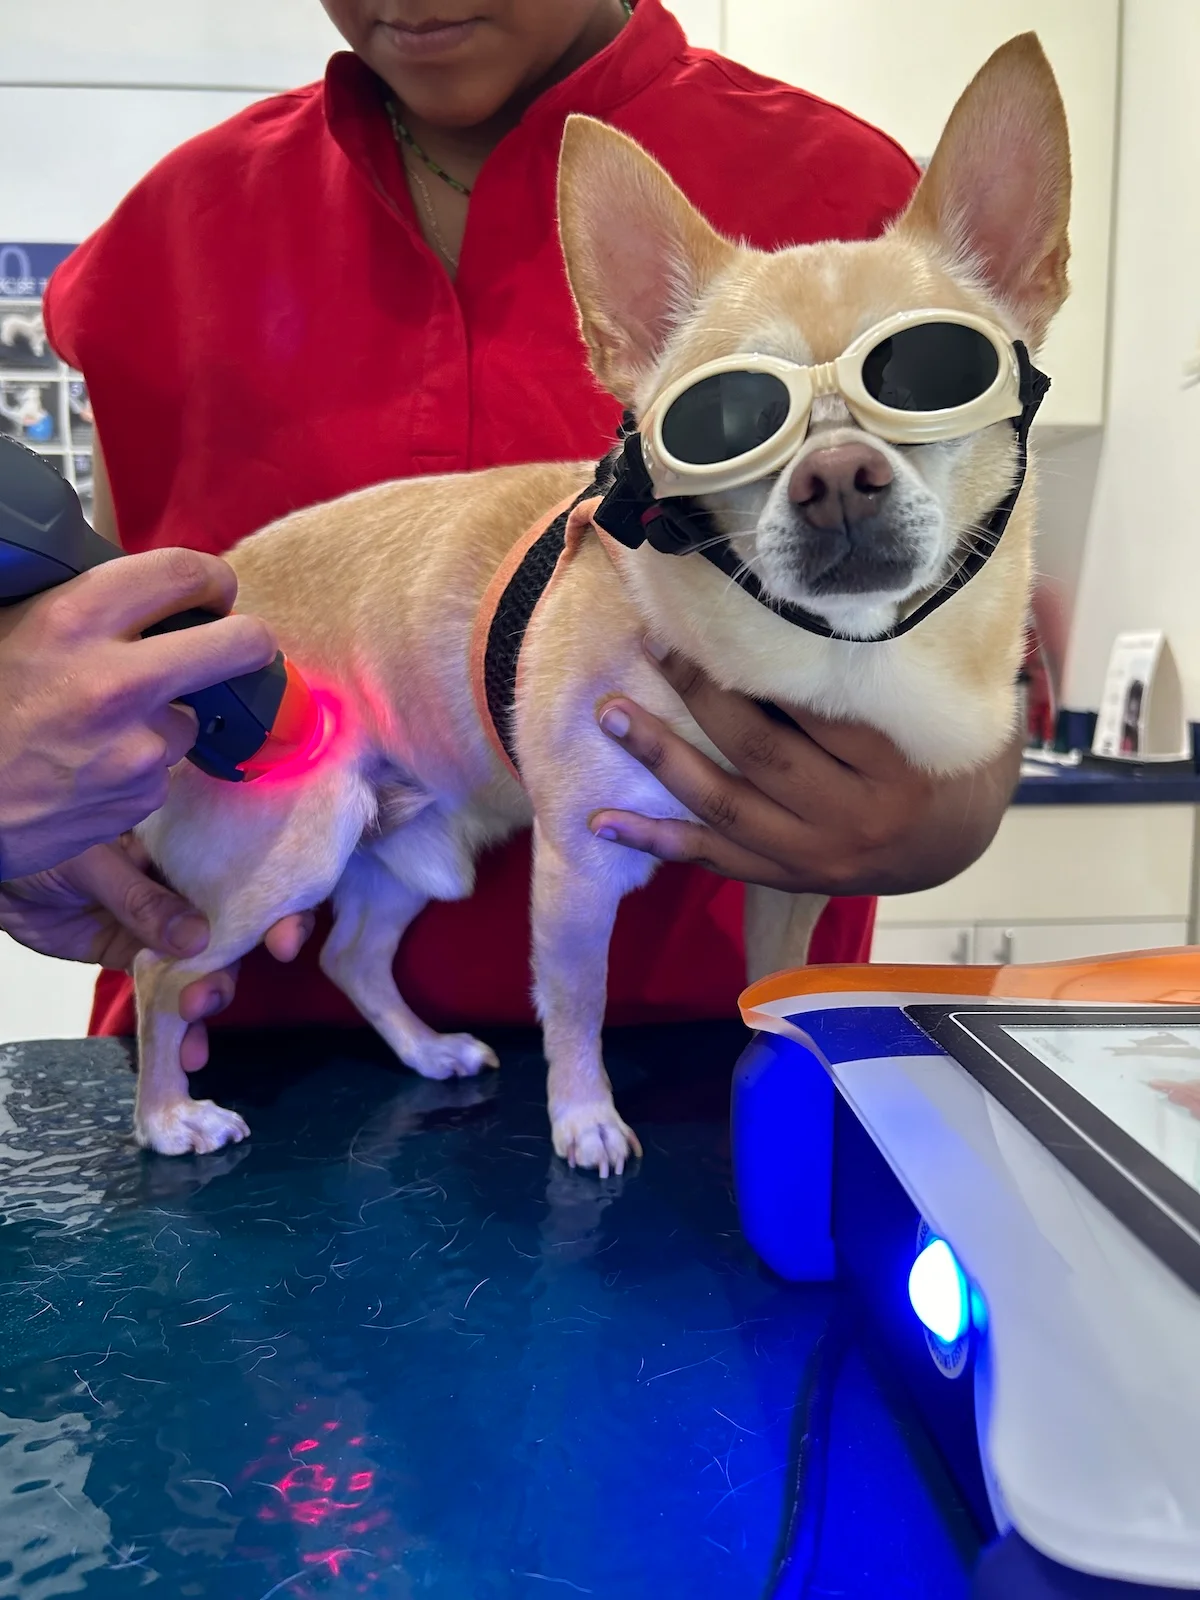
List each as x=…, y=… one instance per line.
x=329, y=1558
x=331, y=722
x=332, y=1494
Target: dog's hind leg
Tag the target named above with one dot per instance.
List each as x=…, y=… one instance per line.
x=246, y=860
x=778, y=929
x=372, y=909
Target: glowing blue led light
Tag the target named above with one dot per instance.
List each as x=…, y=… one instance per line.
x=939, y=1292
x=978, y=1310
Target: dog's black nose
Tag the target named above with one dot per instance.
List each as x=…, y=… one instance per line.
x=838, y=487
x=848, y=542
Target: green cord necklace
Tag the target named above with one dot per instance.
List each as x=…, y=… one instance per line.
x=402, y=136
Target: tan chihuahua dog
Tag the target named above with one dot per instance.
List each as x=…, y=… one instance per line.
x=842, y=497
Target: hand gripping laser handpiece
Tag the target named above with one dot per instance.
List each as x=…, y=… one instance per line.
x=248, y=724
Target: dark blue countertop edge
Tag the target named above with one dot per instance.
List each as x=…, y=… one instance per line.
x=1090, y=786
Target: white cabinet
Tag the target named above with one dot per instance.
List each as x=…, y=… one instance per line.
x=934, y=944
x=93, y=95
x=901, y=64
x=1056, y=863
x=41, y=998
x=1005, y=944
x=1058, y=882
x=998, y=944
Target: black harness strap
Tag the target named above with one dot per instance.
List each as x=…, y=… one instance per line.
x=506, y=632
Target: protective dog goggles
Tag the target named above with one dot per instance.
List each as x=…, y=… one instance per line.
x=915, y=378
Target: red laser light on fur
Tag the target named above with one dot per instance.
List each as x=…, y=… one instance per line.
x=326, y=719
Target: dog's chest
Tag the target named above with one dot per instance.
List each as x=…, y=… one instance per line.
x=939, y=713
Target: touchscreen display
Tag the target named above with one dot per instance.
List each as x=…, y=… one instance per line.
x=1146, y=1080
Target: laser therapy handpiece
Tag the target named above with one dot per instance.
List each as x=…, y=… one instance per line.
x=248, y=724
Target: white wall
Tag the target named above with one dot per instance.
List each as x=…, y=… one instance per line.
x=228, y=44
x=902, y=64
x=41, y=998
x=704, y=21
x=94, y=94
x=1141, y=566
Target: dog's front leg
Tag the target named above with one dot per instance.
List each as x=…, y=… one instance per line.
x=577, y=888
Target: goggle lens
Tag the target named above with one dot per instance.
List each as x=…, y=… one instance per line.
x=724, y=416
x=935, y=366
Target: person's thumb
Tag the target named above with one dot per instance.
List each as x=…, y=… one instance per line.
x=155, y=915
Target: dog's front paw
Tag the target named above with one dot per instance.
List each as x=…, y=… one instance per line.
x=199, y=1125
x=594, y=1136
x=450, y=1055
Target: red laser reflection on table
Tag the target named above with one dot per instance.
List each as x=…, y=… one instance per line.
x=320, y=1491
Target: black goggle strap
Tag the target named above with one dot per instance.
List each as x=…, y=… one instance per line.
x=1031, y=393
x=678, y=526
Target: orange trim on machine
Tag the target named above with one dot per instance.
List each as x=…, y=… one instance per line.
x=1142, y=977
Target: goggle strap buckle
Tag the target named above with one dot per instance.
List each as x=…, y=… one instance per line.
x=628, y=502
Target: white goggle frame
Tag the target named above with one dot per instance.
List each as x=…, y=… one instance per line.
x=843, y=376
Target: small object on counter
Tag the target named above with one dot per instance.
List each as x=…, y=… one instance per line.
x=1141, y=716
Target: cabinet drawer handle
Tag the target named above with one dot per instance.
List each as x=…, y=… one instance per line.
x=962, y=948
x=1004, y=951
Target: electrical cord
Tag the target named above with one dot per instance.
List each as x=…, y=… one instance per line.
x=796, y=1568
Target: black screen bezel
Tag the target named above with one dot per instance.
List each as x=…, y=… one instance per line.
x=1157, y=1205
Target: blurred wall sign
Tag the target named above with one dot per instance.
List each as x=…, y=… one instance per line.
x=1141, y=715
x=26, y=268
x=42, y=401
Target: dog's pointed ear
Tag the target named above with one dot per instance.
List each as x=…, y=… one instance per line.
x=998, y=190
x=638, y=254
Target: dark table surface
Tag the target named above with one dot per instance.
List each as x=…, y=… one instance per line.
x=392, y=1347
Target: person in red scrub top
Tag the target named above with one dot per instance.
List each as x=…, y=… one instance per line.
x=361, y=280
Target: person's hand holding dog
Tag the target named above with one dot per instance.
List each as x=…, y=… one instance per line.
x=816, y=808
x=104, y=906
